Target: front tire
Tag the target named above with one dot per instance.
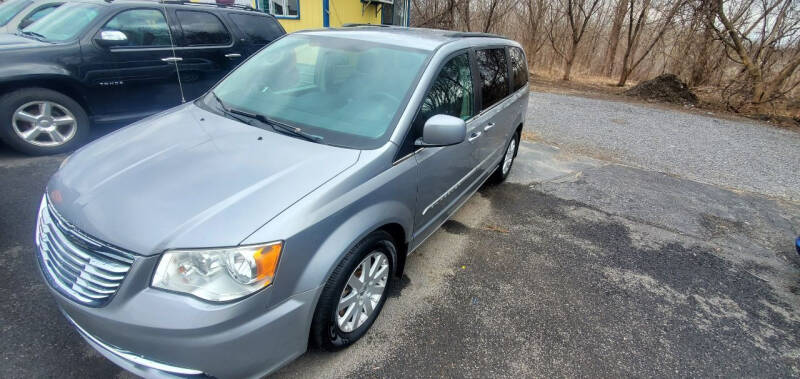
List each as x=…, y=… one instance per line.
x=355, y=293
x=39, y=121
x=504, y=167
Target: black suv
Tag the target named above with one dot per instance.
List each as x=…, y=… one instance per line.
x=116, y=61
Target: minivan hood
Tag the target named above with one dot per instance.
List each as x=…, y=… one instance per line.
x=188, y=178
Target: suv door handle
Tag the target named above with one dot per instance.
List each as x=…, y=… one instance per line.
x=233, y=55
x=488, y=126
x=474, y=136
x=172, y=59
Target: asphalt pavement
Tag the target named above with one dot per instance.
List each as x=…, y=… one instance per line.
x=606, y=253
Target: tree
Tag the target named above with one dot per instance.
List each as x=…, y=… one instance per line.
x=578, y=14
x=637, y=22
x=763, y=37
x=613, y=38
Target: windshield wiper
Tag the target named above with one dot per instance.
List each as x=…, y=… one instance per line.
x=276, y=125
x=229, y=112
x=37, y=36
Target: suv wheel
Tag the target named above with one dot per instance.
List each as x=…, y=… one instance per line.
x=40, y=121
x=504, y=167
x=355, y=293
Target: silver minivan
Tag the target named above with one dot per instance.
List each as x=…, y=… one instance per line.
x=220, y=237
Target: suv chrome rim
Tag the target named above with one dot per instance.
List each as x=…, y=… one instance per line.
x=509, y=158
x=44, y=123
x=363, y=292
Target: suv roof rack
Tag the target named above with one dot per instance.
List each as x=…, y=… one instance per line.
x=355, y=25
x=214, y=4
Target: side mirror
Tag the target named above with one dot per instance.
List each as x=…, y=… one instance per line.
x=110, y=38
x=442, y=130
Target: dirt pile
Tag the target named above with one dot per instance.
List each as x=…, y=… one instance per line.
x=665, y=87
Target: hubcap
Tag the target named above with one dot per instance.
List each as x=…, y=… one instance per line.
x=363, y=292
x=509, y=158
x=44, y=123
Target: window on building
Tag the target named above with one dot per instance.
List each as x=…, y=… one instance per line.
x=284, y=8
x=493, y=68
x=519, y=68
x=143, y=27
x=202, y=28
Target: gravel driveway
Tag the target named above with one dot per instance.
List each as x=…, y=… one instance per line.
x=741, y=155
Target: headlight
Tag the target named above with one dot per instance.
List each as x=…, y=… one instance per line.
x=218, y=274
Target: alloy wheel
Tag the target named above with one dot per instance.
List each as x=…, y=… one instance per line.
x=363, y=291
x=44, y=123
x=509, y=157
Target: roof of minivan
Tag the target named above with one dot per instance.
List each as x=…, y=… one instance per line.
x=420, y=38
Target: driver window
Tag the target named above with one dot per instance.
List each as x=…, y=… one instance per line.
x=143, y=27
x=451, y=93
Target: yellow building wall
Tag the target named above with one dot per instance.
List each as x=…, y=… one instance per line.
x=340, y=11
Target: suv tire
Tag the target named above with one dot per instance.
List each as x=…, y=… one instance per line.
x=327, y=331
x=54, y=123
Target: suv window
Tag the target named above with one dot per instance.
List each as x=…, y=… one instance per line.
x=10, y=9
x=37, y=14
x=451, y=93
x=519, y=68
x=202, y=28
x=493, y=69
x=143, y=27
x=258, y=29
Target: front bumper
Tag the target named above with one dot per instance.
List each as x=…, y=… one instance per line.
x=232, y=349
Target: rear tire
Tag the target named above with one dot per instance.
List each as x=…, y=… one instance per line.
x=39, y=121
x=504, y=167
x=346, y=308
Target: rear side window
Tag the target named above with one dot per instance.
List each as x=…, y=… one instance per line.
x=202, y=28
x=493, y=69
x=258, y=29
x=519, y=69
x=143, y=27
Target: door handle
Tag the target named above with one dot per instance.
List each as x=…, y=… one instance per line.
x=172, y=59
x=488, y=126
x=233, y=55
x=474, y=136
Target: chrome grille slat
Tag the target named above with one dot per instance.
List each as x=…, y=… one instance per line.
x=80, y=267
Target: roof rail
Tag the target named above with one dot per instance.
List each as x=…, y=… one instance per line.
x=215, y=4
x=354, y=25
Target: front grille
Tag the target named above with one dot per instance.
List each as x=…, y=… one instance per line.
x=78, y=266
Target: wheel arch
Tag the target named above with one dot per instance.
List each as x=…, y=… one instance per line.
x=62, y=84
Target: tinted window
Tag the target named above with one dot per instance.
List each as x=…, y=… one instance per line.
x=202, y=28
x=143, y=27
x=37, y=14
x=258, y=29
x=519, y=69
x=451, y=93
x=65, y=22
x=494, y=76
x=10, y=9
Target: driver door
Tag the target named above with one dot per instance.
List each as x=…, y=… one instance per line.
x=135, y=78
x=446, y=173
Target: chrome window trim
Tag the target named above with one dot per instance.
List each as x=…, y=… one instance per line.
x=131, y=357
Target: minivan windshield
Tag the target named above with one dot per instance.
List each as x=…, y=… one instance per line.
x=11, y=8
x=346, y=92
x=64, y=23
